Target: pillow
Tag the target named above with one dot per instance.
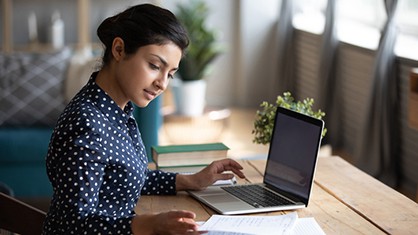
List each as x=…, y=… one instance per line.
x=32, y=87
x=80, y=68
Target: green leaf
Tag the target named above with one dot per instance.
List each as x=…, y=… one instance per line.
x=203, y=48
x=264, y=121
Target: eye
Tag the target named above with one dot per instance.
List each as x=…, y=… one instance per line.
x=153, y=66
x=171, y=76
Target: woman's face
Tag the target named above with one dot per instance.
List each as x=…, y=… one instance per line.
x=144, y=75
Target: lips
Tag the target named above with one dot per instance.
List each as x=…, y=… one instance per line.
x=150, y=94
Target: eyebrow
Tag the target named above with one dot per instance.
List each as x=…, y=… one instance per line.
x=164, y=62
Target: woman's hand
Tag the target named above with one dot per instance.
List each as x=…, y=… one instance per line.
x=172, y=222
x=209, y=175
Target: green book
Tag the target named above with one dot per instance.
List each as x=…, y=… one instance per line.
x=183, y=169
x=188, y=155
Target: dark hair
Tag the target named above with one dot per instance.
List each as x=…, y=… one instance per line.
x=139, y=26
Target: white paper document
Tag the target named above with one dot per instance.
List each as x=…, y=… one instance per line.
x=288, y=224
x=254, y=225
x=307, y=226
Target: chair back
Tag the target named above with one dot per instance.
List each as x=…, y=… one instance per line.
x=19, y=217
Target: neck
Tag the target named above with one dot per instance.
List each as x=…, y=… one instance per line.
x=107, y=81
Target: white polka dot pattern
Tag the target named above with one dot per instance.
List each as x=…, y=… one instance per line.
x=97, y=165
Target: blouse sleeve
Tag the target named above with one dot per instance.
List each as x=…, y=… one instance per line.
x=77, y=178
x=159, y=183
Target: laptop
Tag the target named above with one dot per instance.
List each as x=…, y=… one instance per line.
x=289, y=174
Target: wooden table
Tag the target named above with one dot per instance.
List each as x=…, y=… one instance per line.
x=344, y=200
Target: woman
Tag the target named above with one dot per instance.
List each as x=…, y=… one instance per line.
x=96, y=160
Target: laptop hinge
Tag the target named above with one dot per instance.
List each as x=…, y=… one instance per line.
x=290, y=196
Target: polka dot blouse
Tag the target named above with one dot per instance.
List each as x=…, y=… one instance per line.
x=97, y=165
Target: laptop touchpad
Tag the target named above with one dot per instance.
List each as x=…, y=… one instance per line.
x=220, y=198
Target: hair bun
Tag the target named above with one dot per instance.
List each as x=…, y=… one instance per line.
x=107, y=29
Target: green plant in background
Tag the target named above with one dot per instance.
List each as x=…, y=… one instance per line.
x=263, y=124
x=203, y=48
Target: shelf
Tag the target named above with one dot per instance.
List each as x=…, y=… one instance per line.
x=83, y=8
x=7, y=25
x=413, y=99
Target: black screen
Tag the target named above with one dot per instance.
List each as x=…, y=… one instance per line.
x=293, y=152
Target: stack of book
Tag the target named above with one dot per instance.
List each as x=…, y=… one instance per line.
x=187, y=158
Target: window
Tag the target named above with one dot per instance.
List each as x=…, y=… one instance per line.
x=407, y=21
x=309, y=15
x=408, y=17
x=360, y=22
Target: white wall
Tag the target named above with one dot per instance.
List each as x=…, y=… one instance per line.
x=257, y=52
x=222, y=18
x=243, y=76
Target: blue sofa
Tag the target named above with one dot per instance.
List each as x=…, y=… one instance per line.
x=25, y=131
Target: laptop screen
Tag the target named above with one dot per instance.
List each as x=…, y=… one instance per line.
x=293, y=152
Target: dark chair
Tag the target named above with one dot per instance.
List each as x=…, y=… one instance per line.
x=19, y=217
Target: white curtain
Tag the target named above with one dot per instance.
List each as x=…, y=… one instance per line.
x=378, y=147
x=327, y=76
x=285, y=48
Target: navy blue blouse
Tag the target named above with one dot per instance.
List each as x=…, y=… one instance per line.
x=97, y=165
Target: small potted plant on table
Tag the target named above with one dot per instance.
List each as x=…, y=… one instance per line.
x=264, y=121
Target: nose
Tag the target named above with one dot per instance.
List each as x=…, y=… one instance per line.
x=161, y=83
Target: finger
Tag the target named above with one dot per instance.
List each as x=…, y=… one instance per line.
x=183, y=214
x=190, y=224
x=234, y=164
x=236, y=168
x=225, y=165
x=224, y=176
x=228, y=165
x=222, y=169
x=238, y=173
x=186, y=225
x=231, y=164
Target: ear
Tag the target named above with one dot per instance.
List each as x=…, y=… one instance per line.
x=118, y=48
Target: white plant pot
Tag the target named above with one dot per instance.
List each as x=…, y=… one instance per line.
x=189, y=97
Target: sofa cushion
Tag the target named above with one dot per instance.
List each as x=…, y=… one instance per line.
x=32, y=87
x=81, y=66
x=26, y=180
x=24, y=145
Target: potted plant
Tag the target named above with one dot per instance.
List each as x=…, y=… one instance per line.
x=189, y=88
x=264, y=121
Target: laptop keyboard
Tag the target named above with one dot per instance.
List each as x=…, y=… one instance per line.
x=257, y=195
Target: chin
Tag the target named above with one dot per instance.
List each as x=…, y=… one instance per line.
x=142, y=103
